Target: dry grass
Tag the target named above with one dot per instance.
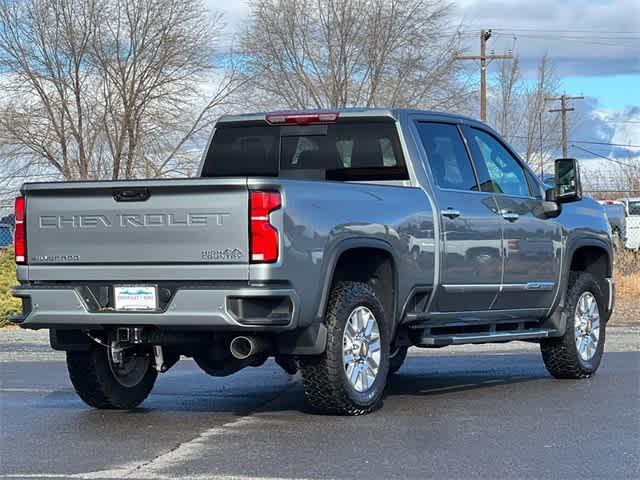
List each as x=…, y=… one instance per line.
x=8, y=305
x=627, y=277
x=627, y=262
x=627, y=274
x=628, y=286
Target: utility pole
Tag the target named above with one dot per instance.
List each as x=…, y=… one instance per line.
x=563, y=110
x=484, y=61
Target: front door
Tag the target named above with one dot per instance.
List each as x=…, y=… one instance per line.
x=532, y=243
x=471, y=259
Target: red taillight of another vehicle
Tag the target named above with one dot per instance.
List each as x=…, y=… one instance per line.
x=20, y=236
x=263, y=237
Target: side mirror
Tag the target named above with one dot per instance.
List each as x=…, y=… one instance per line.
x=568, y=185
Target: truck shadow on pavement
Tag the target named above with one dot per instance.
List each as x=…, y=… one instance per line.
x=442, y=375
x=273, y=391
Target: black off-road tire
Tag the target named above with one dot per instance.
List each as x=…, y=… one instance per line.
x=97, y=386
x=326, y=387
x=397, y=359
x=560, y=354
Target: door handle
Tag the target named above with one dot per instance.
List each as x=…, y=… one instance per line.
x=510, y=216
x=450, y=213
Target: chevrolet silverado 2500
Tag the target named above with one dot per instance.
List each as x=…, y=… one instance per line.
x=332, y=241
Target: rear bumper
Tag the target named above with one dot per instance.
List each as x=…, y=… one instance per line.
x=250, y=308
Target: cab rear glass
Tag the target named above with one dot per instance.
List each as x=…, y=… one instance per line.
x=355, y=150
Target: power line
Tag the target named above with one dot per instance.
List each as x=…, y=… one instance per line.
x=593, y=153
x=588, y=142
x=624, y=164
x=628, y=44
x=534, y=28
x=568, y=35
x=607, y=143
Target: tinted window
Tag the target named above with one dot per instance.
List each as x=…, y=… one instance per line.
x=241, y=151
x=447, y=156
x=634, y=207
x=498, y=171
x=339, y=146
x=341, y=151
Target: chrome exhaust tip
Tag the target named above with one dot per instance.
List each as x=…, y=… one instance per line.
x=244, y=347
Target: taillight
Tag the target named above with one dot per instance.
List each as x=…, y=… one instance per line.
x=20, y=236
x=302, y=118
x=263, y=237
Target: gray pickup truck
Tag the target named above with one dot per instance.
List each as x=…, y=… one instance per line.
x=617, y=216
x=332, y=241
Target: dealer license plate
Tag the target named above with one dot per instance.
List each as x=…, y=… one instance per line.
x=136, y=297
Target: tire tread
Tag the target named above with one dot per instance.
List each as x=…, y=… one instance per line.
x=559, y=354
x=323, y=387
x=96, y=386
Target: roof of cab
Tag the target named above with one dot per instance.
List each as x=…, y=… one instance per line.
x=394, y=113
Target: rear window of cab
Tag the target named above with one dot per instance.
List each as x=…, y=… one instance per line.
x=356, y=150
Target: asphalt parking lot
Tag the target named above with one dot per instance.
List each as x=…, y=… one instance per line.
x=470, y=412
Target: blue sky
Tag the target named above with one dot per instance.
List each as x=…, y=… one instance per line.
x=614, y=92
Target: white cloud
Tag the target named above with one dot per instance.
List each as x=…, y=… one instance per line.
x=235, y=12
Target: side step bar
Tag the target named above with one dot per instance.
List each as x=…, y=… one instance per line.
x=483, y=337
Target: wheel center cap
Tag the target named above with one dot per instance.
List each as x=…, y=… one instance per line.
x=360, y=349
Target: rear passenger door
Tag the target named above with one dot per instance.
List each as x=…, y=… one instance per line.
x=532, y=242
x=471, y=259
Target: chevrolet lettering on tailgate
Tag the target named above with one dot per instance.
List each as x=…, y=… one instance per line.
x=133, y=220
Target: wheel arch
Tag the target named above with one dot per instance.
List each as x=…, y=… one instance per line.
x=590, y=255
x=379, y=271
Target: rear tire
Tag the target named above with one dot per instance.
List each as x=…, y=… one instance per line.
x=575, y=355
x=93, y=378
x=329, y=384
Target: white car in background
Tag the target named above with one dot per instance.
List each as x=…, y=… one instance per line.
x=632, y=208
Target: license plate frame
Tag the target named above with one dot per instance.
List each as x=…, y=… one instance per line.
x=135, y=298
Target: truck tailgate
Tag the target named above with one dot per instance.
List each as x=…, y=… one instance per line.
x=190, y=221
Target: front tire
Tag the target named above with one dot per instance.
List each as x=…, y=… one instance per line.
x=101, y=385
x=577, y=354
x=350, y=377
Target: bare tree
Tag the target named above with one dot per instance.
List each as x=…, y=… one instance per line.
x=507, y=109
x=519, y=111
x=108, y=88
x=340, y=53
x=537, y=120
x=624, y=175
